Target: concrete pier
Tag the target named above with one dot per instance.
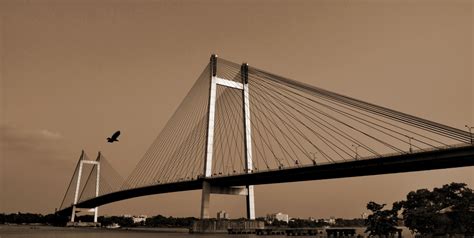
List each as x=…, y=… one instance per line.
x=223, y=226
x=83, y=224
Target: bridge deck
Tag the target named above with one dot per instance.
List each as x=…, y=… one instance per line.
x=428, y=160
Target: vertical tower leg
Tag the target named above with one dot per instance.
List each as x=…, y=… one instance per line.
x=78, y=183
x=206, y=188
x=96, y=209
x=73, y=214
x=205, y=200
x=247, y=140
x=250, y=203
x=96, y=213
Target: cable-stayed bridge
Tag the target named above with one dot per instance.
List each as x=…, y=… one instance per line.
x=240, y=126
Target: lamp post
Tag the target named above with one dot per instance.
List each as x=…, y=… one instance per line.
x=409, y=142
x=280, y=164
x=470, y=132
x=314, y=157
x=356, y=150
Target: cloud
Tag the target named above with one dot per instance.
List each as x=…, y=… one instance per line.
x=50, y=134
x=13, y=133
x=32, y=160
x=16, y=141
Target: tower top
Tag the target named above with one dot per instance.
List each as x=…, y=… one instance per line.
x=244, y=73
x=214, y=65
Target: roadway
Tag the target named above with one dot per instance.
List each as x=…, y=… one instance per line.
x=455, y=157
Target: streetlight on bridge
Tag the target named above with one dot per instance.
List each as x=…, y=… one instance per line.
x=314, y=157
x=280, y=164
x=356, y=150
x=409, y=142
x=470, y=132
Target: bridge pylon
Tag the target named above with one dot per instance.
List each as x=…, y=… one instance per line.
x=208, y=188
x=81, y=164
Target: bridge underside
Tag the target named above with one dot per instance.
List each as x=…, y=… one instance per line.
x=430, y=160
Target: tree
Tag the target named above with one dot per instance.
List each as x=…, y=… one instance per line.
x=162, y=221
x=445, y=210
x=382, y=222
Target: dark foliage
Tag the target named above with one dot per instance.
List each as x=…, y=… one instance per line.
x=161, y=221
x=445, y=210
x=448, y=210
x=29, y=218
x=382, y=222
x=349, y=222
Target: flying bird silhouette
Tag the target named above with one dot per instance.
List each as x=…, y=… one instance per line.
x=114, y=137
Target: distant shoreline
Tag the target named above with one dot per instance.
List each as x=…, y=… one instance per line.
x=35, y=226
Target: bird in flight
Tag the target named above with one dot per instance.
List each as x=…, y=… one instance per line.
x=114, y=137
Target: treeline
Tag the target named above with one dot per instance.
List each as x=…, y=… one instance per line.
x=161, y=221
x=304, y=223
x=448, y=210
x=56, y=220
x=155, y=221
x=30, y=218
x=349, y=222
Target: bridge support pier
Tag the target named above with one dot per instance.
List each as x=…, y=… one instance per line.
x=250, y=203
x=205, y=200
x=208, y=189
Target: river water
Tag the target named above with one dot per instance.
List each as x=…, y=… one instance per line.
x=65, y=232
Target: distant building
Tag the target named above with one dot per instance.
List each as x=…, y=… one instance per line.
x=221, y=215
x=330, y=221
x=364, y=215
x=278, y=217
x=138, y=219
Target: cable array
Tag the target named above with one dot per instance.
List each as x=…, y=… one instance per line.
x=178, y=151
x=295, y=124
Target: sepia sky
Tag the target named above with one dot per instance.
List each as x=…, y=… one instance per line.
x=72, y=72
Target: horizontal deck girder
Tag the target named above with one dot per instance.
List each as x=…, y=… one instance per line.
x=420, y=161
